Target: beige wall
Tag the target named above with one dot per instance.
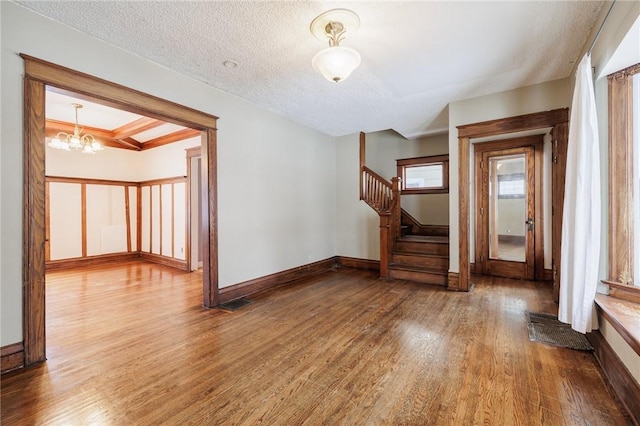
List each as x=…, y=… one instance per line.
x=276, y=178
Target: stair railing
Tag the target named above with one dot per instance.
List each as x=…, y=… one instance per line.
x=384, y=198
x=375, y=190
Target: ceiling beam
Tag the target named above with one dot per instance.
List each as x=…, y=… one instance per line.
x=103, y=136
x=135, y=127
x=170, y=138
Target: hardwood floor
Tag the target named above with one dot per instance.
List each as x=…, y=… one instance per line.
x=130, y=344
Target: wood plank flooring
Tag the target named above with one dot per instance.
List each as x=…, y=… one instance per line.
x=130, y=344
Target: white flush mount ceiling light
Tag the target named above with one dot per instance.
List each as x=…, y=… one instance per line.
x=77, y=140
x=336, y=62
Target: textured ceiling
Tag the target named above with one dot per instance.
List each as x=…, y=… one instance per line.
x=417, y=57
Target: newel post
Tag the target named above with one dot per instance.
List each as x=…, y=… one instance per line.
x=395, y=210
x=384, y=244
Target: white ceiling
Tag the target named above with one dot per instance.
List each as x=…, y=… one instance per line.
x=417, y=57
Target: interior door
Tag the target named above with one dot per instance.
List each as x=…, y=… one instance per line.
x=506, y=213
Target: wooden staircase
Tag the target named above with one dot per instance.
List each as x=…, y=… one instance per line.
x=403, y=255
x=420, y=258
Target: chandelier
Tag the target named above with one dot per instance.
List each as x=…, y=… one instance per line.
x=77, y=140
x=336, y=62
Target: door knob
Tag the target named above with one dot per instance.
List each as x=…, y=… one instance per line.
x=529, y=222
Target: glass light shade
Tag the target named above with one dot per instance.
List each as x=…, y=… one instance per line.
x=75, y=142
x=336, y=63
x=88, y=150
x=96, y=146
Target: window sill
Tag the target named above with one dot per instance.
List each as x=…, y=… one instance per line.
x=624, y=316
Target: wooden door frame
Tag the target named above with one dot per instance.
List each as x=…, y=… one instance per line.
x=558, y=120
x=535, y=141
x=39, y=74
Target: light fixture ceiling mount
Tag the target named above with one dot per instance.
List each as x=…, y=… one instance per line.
x=77, y=140
x=336, y=62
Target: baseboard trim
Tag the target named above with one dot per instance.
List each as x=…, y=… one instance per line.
x=164, y=260
x=11, y=357
x=353, y=262
x=278, y=279
x=453, y=281
x=100, y=259
x=620, y=381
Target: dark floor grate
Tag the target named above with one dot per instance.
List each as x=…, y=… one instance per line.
x=546, y=328
x=234, y=304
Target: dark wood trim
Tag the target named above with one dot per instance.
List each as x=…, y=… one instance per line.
x=353, y=262
x=209, y=212
x=560, y=134
x=11, y=357
x=115, y=95
x=533, y=148
x=425, y=160
x=135, y=127
x=421, y=228
x=83, y=215
x=453, y=281
x=163, y=181
x=173, y=220
x=621, y=314
x=557, y=119
x=537, y=120
x=461, y=281
x=193, y=152
x=127, y=218
x=33, y=223
x=99, y=259
x=620, y=89
x=363, y=159
x=178, y=136
x=271, y=281
x=160, y=219
x=138, y=218
x=38, y=74
x=150, y=219
x=620, y=381
x=623, y=291
x=548, y=274
x=165, y=260
x=47, y=218
x=64, y=179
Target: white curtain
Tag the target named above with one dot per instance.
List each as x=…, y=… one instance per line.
x=581, y=218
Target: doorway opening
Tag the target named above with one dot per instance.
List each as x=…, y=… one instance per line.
x=40, y=74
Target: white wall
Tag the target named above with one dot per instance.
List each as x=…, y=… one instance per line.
x=525, y=100
x=276, y=178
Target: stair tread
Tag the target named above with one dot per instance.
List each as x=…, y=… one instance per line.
x=416, y=269
x=424, y=239
x=420, y=254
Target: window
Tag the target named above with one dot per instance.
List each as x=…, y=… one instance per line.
x=624, y=176
x=511, y=186
x=424, y=175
